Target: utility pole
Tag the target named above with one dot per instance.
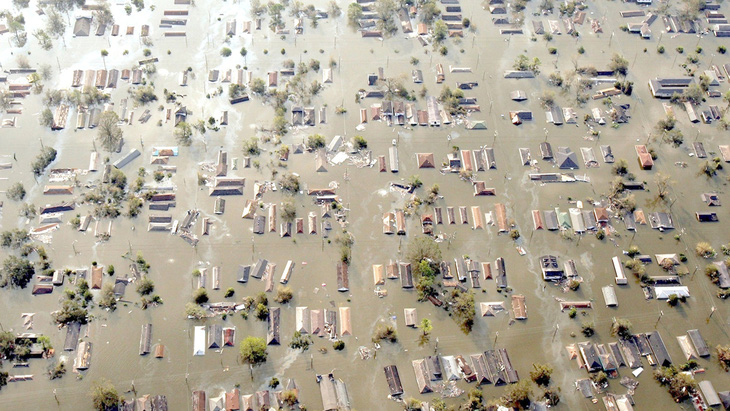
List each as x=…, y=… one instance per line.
x=661, y=313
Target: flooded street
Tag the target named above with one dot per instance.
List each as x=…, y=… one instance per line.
x=365, y=193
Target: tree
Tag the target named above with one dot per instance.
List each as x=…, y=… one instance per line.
x=183, y=134
x=253, y=351
x=194, y=310
x=21, y=4
x=290, y=183
x=288, y=211
x=16, y=192
x=360, y=142
x=106, y=298
x=145, y=286
x=426, y=328
x=17, y=271
x=385, y=332
x=621, y=327
x=334, y=9
x=723, y=356
x=104, y=53
x=104, y=396
x=44, y=40
x=518, y=395
x=16, y=25
x=440, y=31
x=423, y=248
x=103, y=15
x=663, y=184
x=354, y=14
x=464, y=310
x=522, y=63
x=619, y=64
x=144, y=95
x=315, y=141
x=429, y=11
x=258, y=86
x=541, y=374
x=55, y=25
x=109, y=134
x=200, y=296
x=704, y=249
x=283, y=294
x=693, y=94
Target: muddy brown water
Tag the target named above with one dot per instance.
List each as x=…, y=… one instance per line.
x=365, y=193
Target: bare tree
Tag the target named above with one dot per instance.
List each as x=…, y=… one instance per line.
x=110, y=134
x=55, y=25
x=103, y=15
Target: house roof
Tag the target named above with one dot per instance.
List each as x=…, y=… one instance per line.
x=425, y=160
x=566, y=159
x=82, y=27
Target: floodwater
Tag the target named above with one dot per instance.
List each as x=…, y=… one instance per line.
x=365, y=193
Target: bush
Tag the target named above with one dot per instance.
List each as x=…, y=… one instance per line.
x=722, y=49
x=226, y=52
x=16, y=192
x=229, y=292
x=338, y=345
x=660, y=49
x=572, y=312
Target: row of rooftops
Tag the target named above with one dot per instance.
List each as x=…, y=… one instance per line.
x=235, y=401
x=489, y=367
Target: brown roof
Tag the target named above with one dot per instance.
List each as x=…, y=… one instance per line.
x=501, y=212
x=601, y=214
x=481, y=189
x=233, y=402
x=519, y=307
x=425, y=160
x=537, y=220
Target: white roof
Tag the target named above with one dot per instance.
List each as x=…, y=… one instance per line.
x=663, y=293
x=199, y=341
